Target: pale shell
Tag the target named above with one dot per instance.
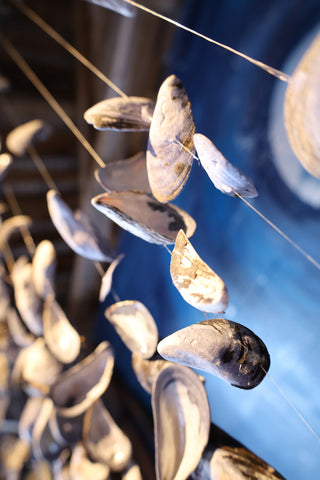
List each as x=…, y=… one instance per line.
x=21, y=138
x=44, y=269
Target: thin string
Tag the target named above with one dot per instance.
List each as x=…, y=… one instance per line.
x=14, y=206
x=34, y=17
x=272, y=71
x=291, y=405
x=269, y=222
x=22, y=64
x=42, y=169
x=167, y=248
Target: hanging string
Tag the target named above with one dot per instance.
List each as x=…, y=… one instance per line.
x=34, y=17
x=269, y=222
x=272, y=71
x=14, y=206
x=22, y=64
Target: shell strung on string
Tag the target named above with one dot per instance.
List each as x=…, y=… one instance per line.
x=106, y=281
x=226, y=177
x=121, y=113
x=21, y=138
x=30, y=413
x=147, y=371
x=240, y=464
x=145, y=217
x=5, y=162
x=128, y=175
x=44, y=445
x=68, y=428
x=81, y=468
x=135, y=325
x=221, y=347
x=19, y=334
x=196, y=282
x=28, y=303
x=77, y=231
x=39, y=470
x=44, y=269
x=36, y=368
x=14, y=454
x=302, y=109
x=10, y=226
x=168, y=162
x=181, y=422
x=76, y=389
x=104, y=440
x=61, y=338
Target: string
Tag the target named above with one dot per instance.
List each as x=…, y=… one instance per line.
x=272, y=71
x=291, y=405
x=22, y=64
x=34, y=17
x=269, y=222
x=14, y=206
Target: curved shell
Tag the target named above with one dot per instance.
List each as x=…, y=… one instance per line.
x=19, y=334
x=226, y=177
x=77, y=389
x=104, y=440
x=302, y=107
x=5, y=162
x=121, y=113
x=28, y=303
x=132, y=472
x=128, y=175
x=36, y=367
x=144, y=217
x=44, y=269
x=11, y=225
x=147, y=371
x=196, y=282
x=44, y=445
x=81, y=468
x=77, y=231
x=21, y=138
x=181, y=422
x=106, y=281
x=30, y=413
x=221, y=347
x=135, y=325
x=169, y=163
x=62, y=339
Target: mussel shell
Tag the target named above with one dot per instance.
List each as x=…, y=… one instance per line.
x=196, y=282
x=168, y=163
x=76, y=389
x=44, y=268
x=44, y=444
x=147, y=371
x=19, y=334
x=226, y=177
x=21, y=138
x=132, y=472
x=104, y=440
x=221, y=347
x=61, y=338
x=181, y=422
x=28, y=303
x=121, y=113
x=77, y=231
x=106, y=281
x=135, y=325
x=301, y=109
x=5, y=162
x=144, y=217
x=128, y=175
x=10, y=226
x=28, y=417
x=81, y=468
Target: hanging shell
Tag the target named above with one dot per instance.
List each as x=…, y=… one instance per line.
x=128, y=175
x=44, y=445
x=132, y=472
x=135, y=325
x=10, y=226
x=143, y=216
x=301, y=109
x=69, y=428
x=147, y=371
x=81, y=468
x=168, y=162
x=36, y=367
x=28, y=303
x=76, y=389
x=226, y=177
x=30, y=413
x=21, y=138
x=221, y=347
x=5, y=162
x=15, y=453
x=44, y=269
x=181, y=422
x=106, y=281
x=121, y=113
x=19, y=334
x=77, y=231
x=40, y=470
x=196, y=282
x=104, y=440
x=62, y=339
